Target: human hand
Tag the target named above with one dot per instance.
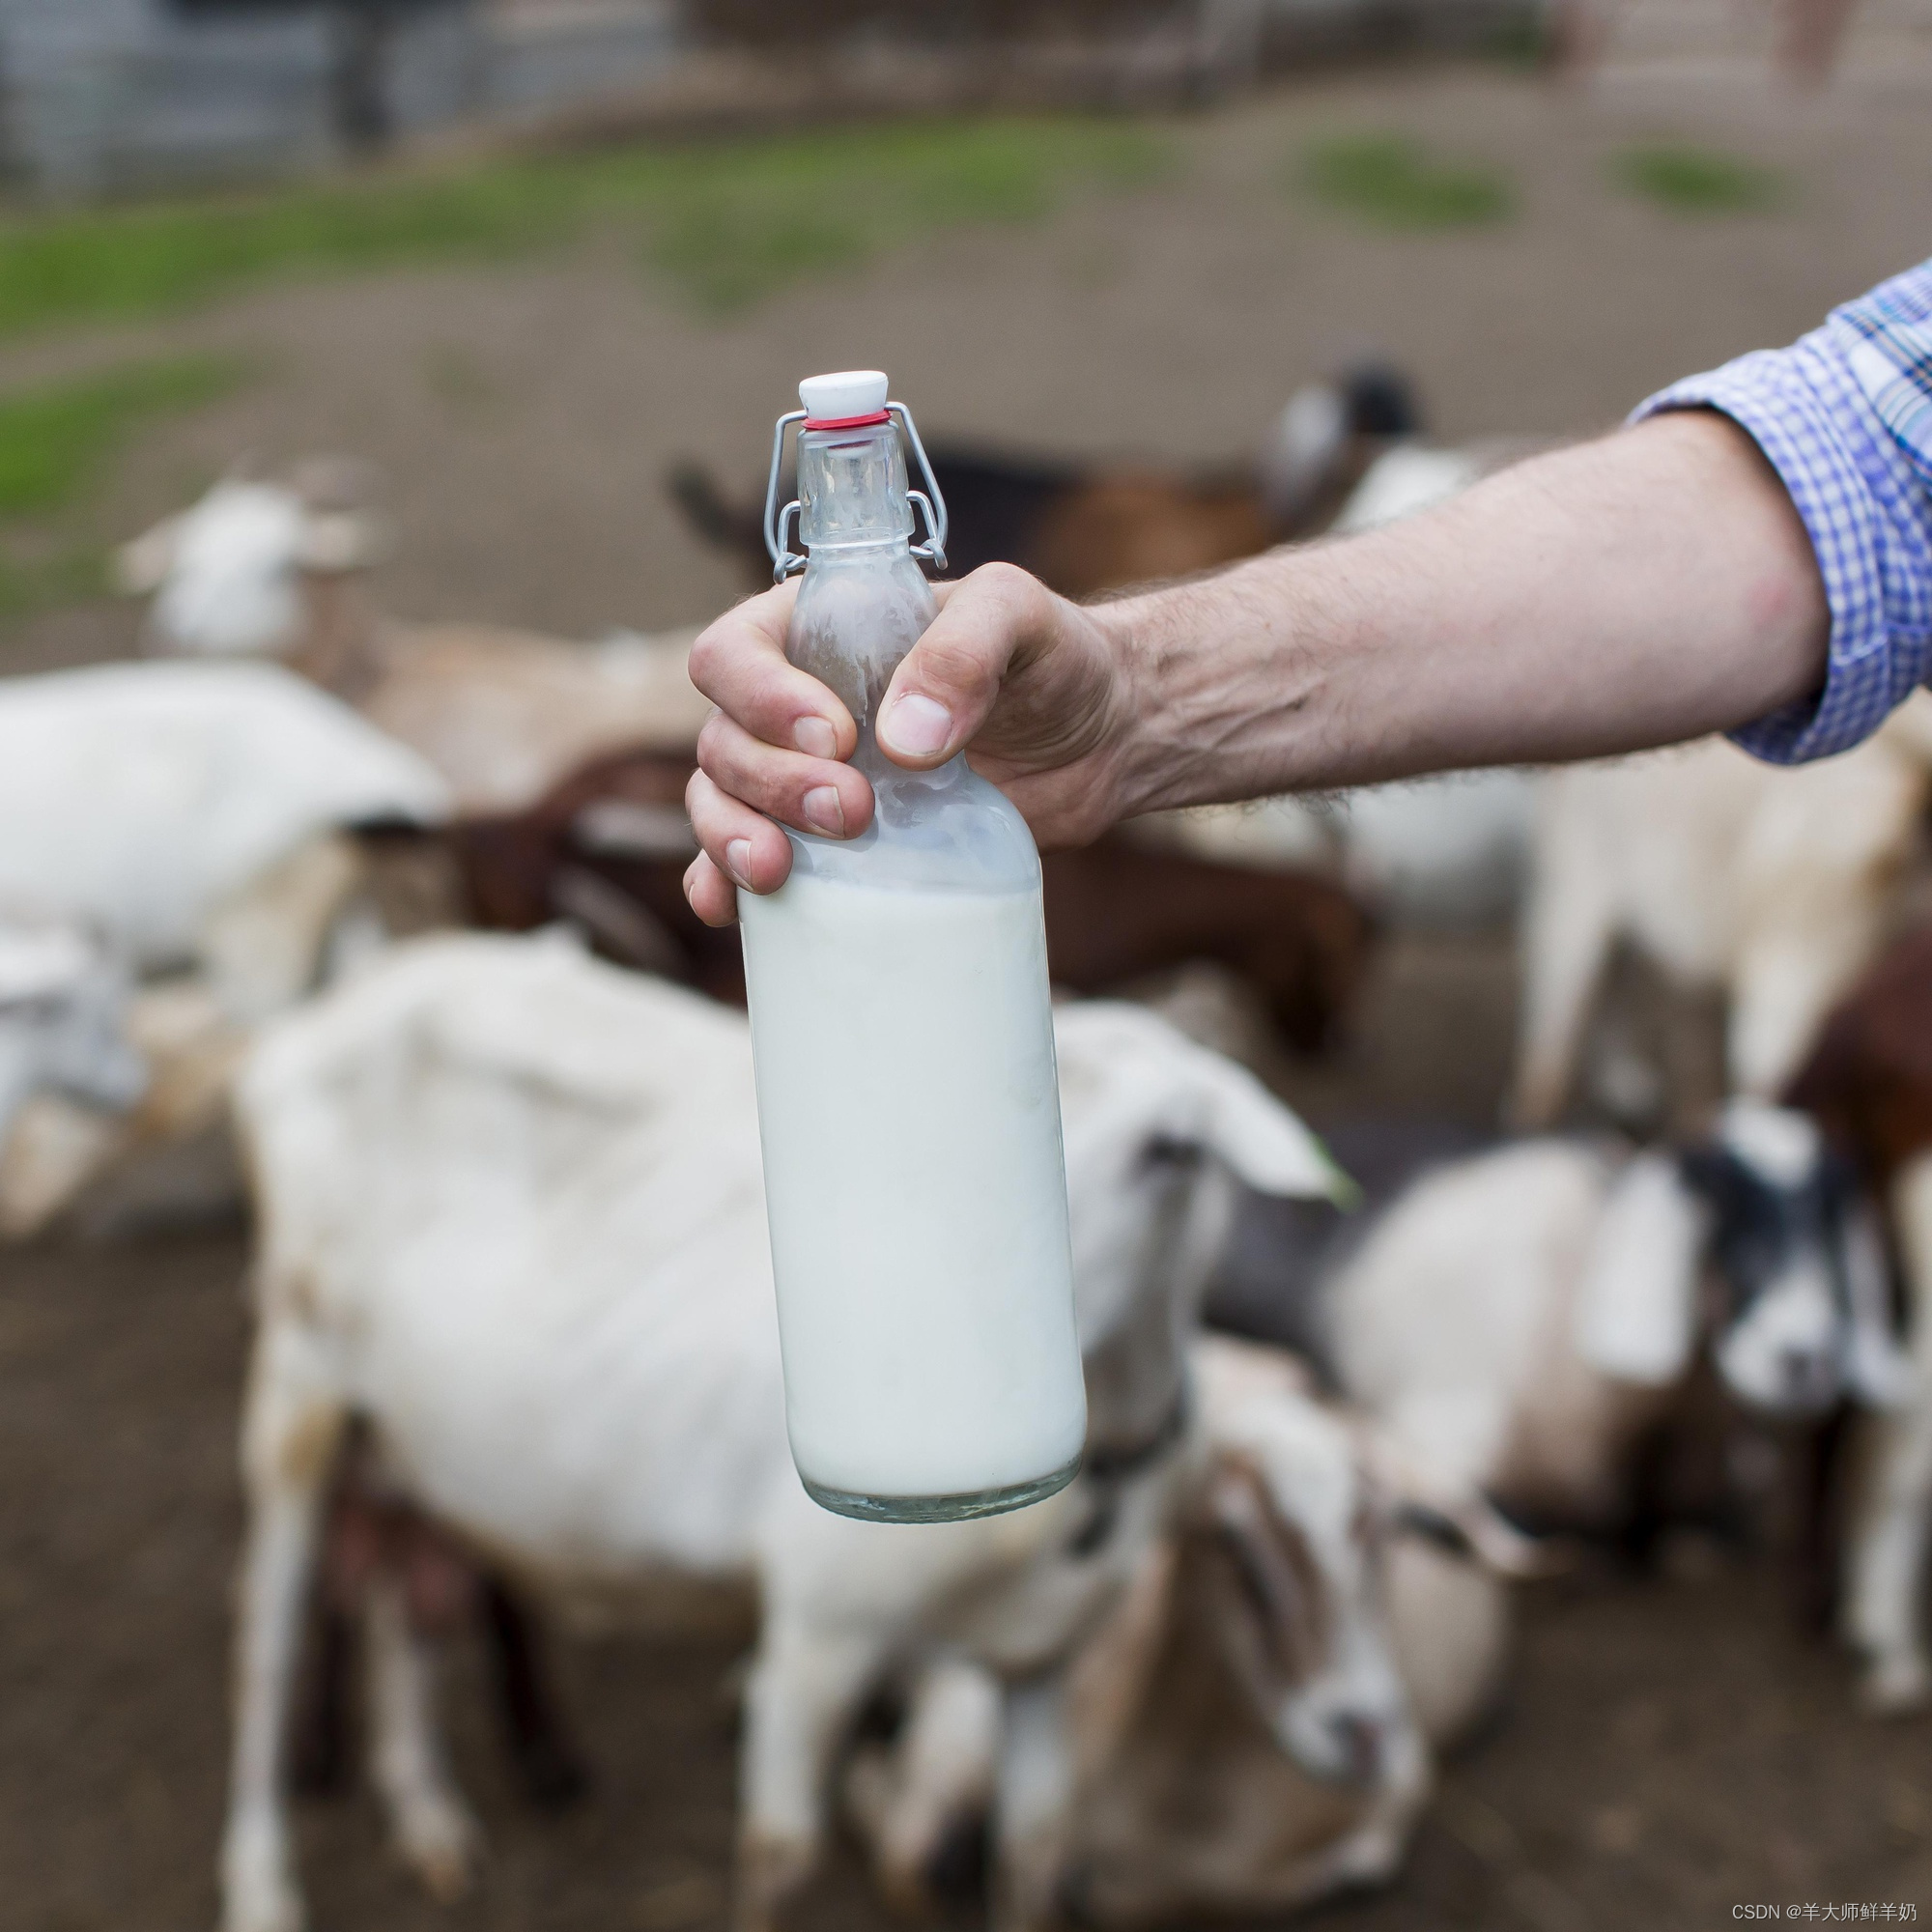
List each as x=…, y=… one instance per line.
x=1035, y=688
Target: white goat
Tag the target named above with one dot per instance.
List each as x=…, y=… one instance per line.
x=1774, y=887
x=1890, y=1529
x=502, y=714
x=64, y=1137
x=512, y=1217
x=1441, y=852
x=141, y=800
x=1518, y=1320
x=1240, y=1731
x=225, y=572
x=62, y=1006
x=186, y=816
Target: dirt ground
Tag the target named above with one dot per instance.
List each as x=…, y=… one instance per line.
x=1672, y=1748
x=1671, y=1744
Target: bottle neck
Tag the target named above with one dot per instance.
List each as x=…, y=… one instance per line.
x=864, y=600
x=852, y=490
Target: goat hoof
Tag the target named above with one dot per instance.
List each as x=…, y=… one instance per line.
x=1895, y=1685
x=440, y=1843
x=281, y=1914
x=276, y=1910
x=257, y=1892
x=768, y=1871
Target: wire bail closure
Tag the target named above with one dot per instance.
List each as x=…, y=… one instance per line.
x=787, y=562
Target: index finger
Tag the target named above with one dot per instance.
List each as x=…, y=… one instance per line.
x=739, y=662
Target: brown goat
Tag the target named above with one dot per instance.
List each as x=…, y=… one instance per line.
x=1117, y=911
x=1078, y=534
x=1868, y=1080
x=1192, y=1795
x=609, y=846
x=1869, y=1083
x=1083, y=528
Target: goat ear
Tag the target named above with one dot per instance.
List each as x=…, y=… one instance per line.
x=1264, y=1142
x=1878, y=1369
x=1635, y=1313
x=140, y=566
x=1459, y=1518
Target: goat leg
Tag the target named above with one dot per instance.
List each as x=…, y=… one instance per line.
x=1886, y=1560
x=320, y=1751
x=1034, y=1807
x=289, y=1444
x=432, y=1827
x=800, y=1698
x=534, y=1731
x=1816, y=1535
x=921, y=1802
x=1567, y=941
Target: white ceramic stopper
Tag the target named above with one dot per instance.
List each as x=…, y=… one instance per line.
x=851, y=392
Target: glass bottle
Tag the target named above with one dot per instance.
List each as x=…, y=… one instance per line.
x=915, y=1180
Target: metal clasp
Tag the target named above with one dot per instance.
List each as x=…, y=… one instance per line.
x=931, y=505
x=787, y=562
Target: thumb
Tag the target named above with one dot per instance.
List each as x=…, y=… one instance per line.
x=942, y=693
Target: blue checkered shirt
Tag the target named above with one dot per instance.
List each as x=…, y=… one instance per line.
x=1845, y=417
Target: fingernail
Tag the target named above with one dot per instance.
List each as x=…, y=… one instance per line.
x=738, y=862
x=916, y=726
x=816, y=738
x=824, y=807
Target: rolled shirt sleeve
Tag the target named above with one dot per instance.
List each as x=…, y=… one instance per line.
x=1844, y=415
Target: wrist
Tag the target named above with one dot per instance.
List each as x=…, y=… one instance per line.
x=1135, y=769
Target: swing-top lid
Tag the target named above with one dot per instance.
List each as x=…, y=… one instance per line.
x=846, y=399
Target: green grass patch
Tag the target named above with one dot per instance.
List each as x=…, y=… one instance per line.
x=56, y=441
x=729, y=222
x=1698, y=180
x=734, y=226
x=73, y=574
x=1392, y=181
x=55, y=436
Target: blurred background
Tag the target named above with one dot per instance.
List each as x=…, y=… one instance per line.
x=536, y=277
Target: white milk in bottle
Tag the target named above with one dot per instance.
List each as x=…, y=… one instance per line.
x=907, y=1100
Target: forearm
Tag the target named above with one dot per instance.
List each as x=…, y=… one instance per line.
x=1629, y=592
x=1634, y=591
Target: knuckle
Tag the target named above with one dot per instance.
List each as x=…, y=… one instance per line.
x=708, y=652
x=720, y=651
x=1018, y=593
x=1002, y=578
x=729, y=758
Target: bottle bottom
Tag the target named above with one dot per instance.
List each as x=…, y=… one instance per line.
x=941, y=1509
